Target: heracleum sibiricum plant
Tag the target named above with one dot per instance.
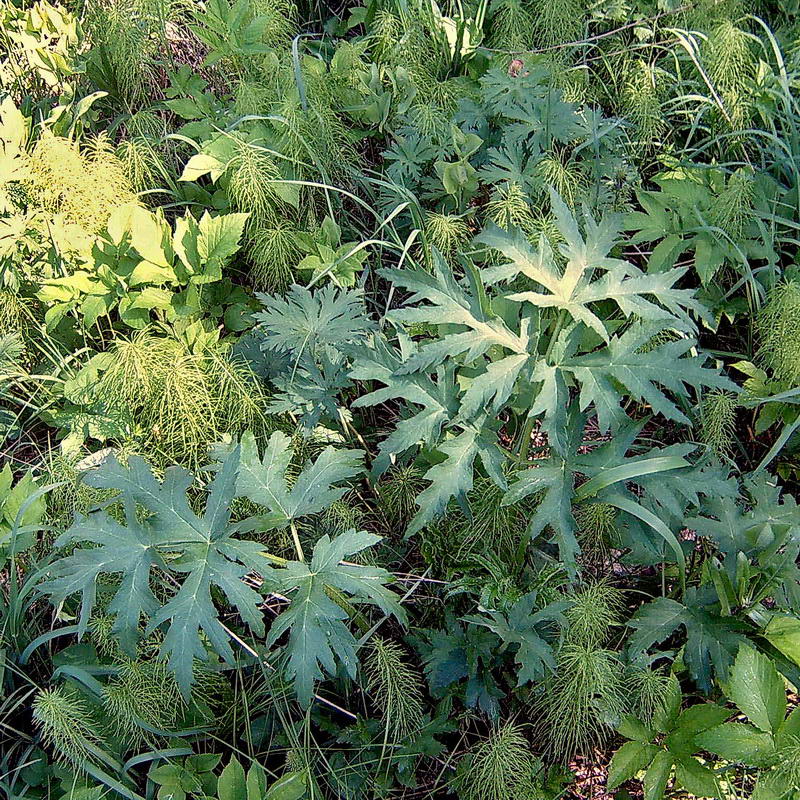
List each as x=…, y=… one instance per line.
x=499, y=351
x=214, y=559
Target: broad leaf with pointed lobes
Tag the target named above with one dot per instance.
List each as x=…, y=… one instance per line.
x=199, y=552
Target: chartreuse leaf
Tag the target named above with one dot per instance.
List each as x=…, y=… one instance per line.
x=757, y=689
x=316, y=617
x=21, y=505
x=199, y=553
x=695, y=778
x=629, y=760
x=233, y=784
x=657, y=775
x=632, y=728
x=205, y=247
x=291, y=786
x=783, y=633
x=658, y=755
x=692, y=721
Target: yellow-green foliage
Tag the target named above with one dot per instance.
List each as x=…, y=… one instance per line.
x=509, y=207
x=39, y=47
x=129, y=36
x=556, y=22
x=83, y=185
x=597, y=525
x=66, y=724
x=718, y=420
x=250, y=171
x=512, y=25
x=398, y=491
x=731, y=66
x=641, y=103
x=556, y=169
x=281, y=20
x=778, y=329
x=395, y=686
x=448, y=233
x=183, y=400
x=384, y=34
x=568, y=705
x=733, y=208
x=648, y=691
x=501, y=767
x=596, y=607
x=141, y=692
x=272, y=253
x=13, y=314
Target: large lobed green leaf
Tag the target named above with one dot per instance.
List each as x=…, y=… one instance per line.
x=198, y=553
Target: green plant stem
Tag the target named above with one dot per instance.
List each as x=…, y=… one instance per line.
x=525, y=443
x=296, y=539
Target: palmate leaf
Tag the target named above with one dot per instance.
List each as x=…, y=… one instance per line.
x=263, y=479
x=711, y=641
x=529, y=350
x=303, y=321
x=641, y=374
x=509, y=166
x=199, y=549
x=311, y=390
x=316, y=617
x=382, y=363
x=453, y=477
x=518, y=628
x=579, y=286
x=758, y=547
x=553, y=482
x=608, y=468
x=303, y=337
x=448, y=302
x=460, y=652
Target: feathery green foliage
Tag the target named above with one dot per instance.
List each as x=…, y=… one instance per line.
x=581, y=701
x=501, y=766
x=718, y=420
x=394, y=686
x=778, y=326
x=66, y=724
